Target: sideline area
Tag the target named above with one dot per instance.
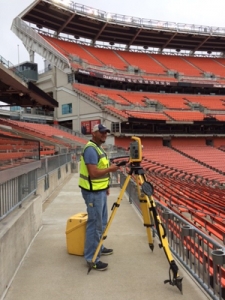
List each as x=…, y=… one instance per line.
x=48, y=272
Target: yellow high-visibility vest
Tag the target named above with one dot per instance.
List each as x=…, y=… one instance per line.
x=97, y=184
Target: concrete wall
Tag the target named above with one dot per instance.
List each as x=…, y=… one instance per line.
x=19, y=228
x=83, y=109
x=54, y=182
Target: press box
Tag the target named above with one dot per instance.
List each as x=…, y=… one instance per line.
x=75, y=233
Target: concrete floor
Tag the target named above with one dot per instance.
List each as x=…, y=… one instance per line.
x=48, y=272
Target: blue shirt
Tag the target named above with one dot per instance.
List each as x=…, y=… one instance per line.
x=90, y=156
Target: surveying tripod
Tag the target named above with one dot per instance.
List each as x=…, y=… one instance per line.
x=148, y=209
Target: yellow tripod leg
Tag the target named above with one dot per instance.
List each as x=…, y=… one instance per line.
x=104, y=235
x=145, y=213
x=176, y=280
x=149, y=208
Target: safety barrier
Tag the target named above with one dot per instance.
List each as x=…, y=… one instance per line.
x=200, y=255
x=17, y=186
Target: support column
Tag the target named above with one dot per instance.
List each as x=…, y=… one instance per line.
x=31, y=53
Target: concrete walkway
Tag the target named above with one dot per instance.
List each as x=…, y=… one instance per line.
x=48, y=272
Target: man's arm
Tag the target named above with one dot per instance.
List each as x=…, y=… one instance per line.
x=91, y=160
x=94, y=172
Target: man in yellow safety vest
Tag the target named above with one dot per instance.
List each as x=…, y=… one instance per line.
x=94, y=183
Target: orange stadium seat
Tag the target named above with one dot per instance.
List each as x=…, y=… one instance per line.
x=208, y=101
x=165, y=156
x=219, y=117
x=107, y=57
x=143, y=61
x=206, y=64
x=177, y=63
x=69, y=48
x=148, y=115
x=117, y=111
x=173, y=101
x=185, y=115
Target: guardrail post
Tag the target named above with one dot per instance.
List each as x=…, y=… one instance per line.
x=168, y=215
x=218, y=257
x=187, y=231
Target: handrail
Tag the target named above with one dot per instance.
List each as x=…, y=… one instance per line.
x=12, y=68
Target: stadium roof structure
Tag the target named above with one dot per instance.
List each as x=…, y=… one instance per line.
x=64, y=17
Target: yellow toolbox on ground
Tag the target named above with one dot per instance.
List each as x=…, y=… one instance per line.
x=75, y=233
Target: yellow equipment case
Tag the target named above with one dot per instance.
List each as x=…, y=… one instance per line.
x=75, y=233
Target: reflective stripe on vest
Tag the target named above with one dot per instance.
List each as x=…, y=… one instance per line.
x=96, y=184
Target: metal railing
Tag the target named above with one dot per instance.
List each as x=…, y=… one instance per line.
x=199, y=254
x=73, y=132
x=11, y=67
x=136, y=21
x=16, y=190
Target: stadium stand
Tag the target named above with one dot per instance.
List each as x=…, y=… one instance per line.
x=205, y=155
x=142, y=61
x=171, y=101
x=69, y=48
x=198, y=208
x=52, y=138
x=170, y=158
x=174, y=102
x=107, y=57
x=185, y=116
x=207, y=65
x=17, y=151
x=177, y=64
x=147, y=115
x=209, y=102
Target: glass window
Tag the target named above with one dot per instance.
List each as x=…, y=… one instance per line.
x=66, y=109
x=70, y=78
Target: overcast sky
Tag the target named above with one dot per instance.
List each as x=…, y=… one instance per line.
x=198, y=12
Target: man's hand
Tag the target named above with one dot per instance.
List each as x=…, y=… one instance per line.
x=113, y=168
x=94, y=172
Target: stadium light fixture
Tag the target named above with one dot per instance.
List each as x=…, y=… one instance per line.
x=92, y=11
x=63, y=2
x=128, y=19
x=108, y=16
x=95, y=12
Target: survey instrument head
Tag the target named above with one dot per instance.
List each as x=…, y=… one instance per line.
x=135, y=150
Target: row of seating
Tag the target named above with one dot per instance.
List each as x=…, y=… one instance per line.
x=148, y=63
x=51, y=131
x=196, y=214
x=193, y=197
x=200, y=201
x=206, y=155
x=15, y=150
x=173, y=107
x=168, y=159
x=45, y=133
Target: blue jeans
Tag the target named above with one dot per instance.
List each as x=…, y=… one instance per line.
x=97, y=219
